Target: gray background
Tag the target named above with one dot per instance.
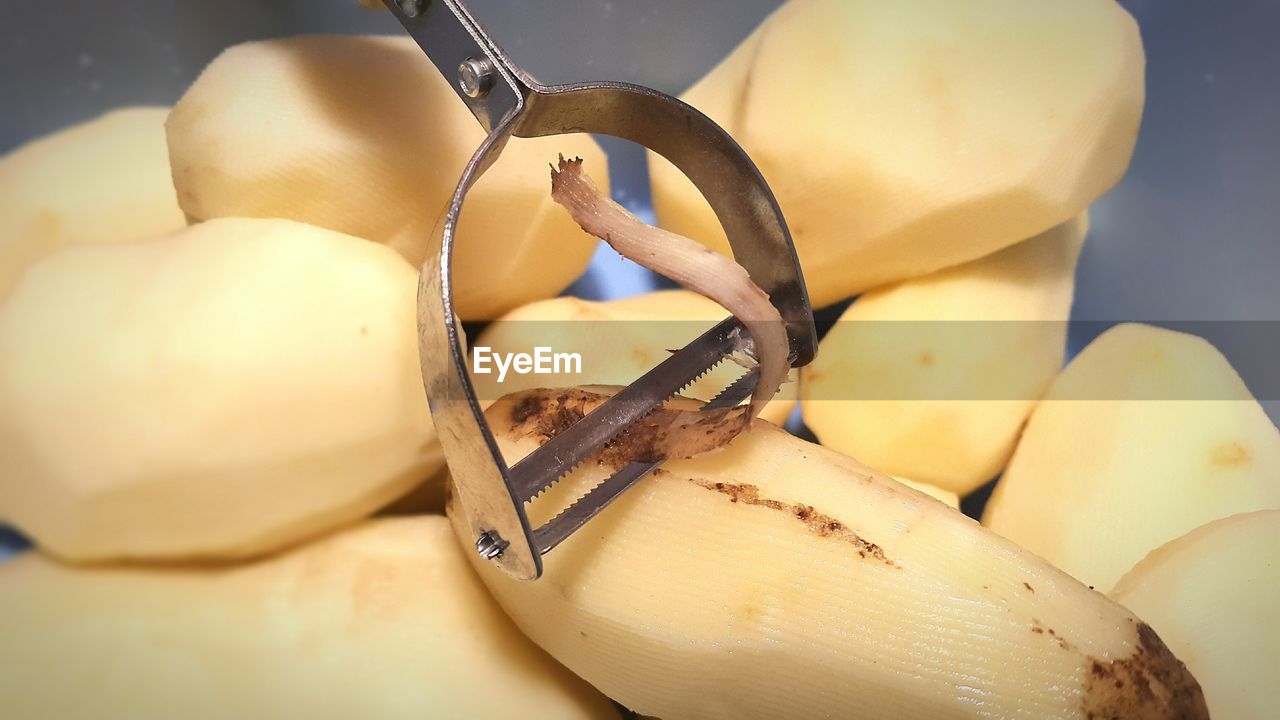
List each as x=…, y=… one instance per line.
x=1189, y=235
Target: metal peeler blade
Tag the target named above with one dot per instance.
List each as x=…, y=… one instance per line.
x=508, y=102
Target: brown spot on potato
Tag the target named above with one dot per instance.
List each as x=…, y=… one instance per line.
x=560, y=416
x=1149, y=683
x=819, y=523
x=1040, y=629
x=1230, y=454
x=1027, y=585
x=1062, y=642
x=664, y=433
x=525, y=408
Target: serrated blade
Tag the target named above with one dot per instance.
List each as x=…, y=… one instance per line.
x=566, y=470
x=737, y=391
x=556, y=457
x=564, y=524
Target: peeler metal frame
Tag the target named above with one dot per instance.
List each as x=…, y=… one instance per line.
x=508, y=102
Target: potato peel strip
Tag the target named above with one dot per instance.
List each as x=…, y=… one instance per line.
x=666, y=433
x=686, y=262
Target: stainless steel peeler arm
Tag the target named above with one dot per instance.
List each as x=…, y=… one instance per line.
x=508, y=102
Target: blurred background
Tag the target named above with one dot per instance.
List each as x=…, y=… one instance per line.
x=1189, y=236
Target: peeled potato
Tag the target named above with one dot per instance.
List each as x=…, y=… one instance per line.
x=774, y=578
x=384, y=620
x=905, y=137
x=362, y=135
x=1212, y=595
x=618, y=341
x=1147, y=435
x=219, y=393
x=104, y=181
x=933, y=378
x=945, y=496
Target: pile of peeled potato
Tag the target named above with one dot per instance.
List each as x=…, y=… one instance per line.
x=213, y=427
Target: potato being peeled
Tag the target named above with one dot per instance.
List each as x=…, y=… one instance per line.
x=362, y=135
x=382, y=620
x=904, y=137
x=774, y=578
x=103, y=181
x=219, y=393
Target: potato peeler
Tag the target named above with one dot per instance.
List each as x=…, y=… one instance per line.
x=508, y=102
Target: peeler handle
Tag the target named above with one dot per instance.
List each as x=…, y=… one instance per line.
x=492, y=87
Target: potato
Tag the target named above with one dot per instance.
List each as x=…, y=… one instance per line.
x=1212, y=594
x=774, y=578
x=103, y=181
x=945, y=496
x=384, y=620
x=904, y=137
x=1147, y=435
x=933, y=378
x=362, y=135
x=617, y=341
x=220, y=393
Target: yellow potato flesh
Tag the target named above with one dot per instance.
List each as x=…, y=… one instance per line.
x=362, y=135
x=104, y=181
x=1212, y=594
x=933, y=378
x=384, y=620
x=618, y=341
x=221, y=392
x=1147, y=435
x=945, y=496
x=775, y=578
x=904, y=137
